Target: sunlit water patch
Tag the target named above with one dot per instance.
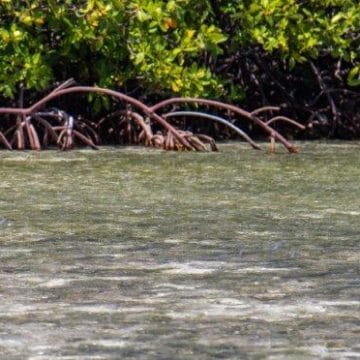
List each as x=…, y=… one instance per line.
x=140, y=254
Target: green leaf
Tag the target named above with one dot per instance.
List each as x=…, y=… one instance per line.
x=354, y=76
x=139, y=58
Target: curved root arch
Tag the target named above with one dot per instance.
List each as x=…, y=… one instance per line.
x=120, y=96
x=197, y=114
x=88, y=89
x=24, y=131
x=220, y=105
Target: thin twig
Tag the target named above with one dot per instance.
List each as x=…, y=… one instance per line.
x=331, y=101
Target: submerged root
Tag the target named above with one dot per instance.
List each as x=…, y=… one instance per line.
x=208, y=140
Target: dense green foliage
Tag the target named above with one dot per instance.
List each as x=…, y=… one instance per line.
x=181, y=47
x=300, y=29
x=107, y=43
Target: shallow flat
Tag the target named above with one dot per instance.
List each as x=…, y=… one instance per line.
x=133, y=253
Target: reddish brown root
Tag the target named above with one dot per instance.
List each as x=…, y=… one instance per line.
x=5, y=142
x=158, y=141
x=272, y=145
x=20, y=139
x=86, y=140
x=208, y=140
x=132, y=127
x=35, y=138
x=49, y=129
x=287, y=120
x=87, y=131
x=196, y=143
x=228, y=107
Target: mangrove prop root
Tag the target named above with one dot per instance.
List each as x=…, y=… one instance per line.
x=197, y=143
x=85, y=140
x=286, y=120
x=20, y=137
x=197, y=114
x=283, y=119
x=120, y=96
x=208, y=140
x=4, y=141
x=62, y=129
x=88, y=131
x=263, y=109
x=145, y=134
x=158, y=141
x=234, y=109
x=34, y=137
x=30, y=134
x=272, y=145
x=48, y=128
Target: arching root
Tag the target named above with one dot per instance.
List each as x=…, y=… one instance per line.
x=136, y=124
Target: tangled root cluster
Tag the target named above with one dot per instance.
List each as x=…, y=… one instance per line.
x=36, y=128
x=129, y=127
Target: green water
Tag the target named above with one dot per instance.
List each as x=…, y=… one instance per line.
x=140, y=254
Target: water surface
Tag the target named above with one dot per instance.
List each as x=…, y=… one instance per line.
x=141, y=254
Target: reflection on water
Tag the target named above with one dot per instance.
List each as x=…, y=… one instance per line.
x=140, y=254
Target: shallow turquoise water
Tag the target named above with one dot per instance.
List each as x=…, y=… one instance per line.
x=140, y=254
